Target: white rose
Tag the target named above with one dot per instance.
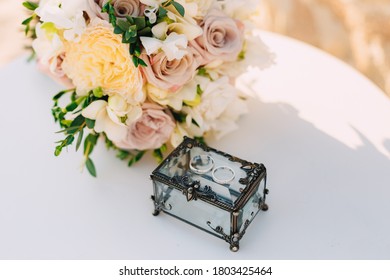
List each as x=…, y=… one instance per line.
x=66, y=15
x=113, y=117
x=219, y=109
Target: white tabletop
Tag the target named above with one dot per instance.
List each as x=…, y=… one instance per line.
x=321, y=129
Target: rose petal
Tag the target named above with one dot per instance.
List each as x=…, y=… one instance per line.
x=93, y=109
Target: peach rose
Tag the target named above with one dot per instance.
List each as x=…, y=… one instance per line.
x=151, y=131
x=101, y=60
x=222, y=38
x=170, y=75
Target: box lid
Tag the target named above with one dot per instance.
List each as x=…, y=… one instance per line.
x=202, y=172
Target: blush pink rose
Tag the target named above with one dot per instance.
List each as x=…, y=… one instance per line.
x=54, y=71
x=122, y=8
x=222, y=38
x=151, y=131
x=170, y=75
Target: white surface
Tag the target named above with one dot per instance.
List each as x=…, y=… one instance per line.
x=321, y=129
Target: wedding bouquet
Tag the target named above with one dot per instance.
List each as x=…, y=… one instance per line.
x=142, y=74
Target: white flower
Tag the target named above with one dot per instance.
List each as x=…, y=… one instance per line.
x=203, y=6
x=219, y=109
x=113, y=117
x=178, y=134
x=174, y=45
x=186, y=25
x=174, y=100
x=48, y=44
x=242, y=10
x=66, y=15
x=255, y=54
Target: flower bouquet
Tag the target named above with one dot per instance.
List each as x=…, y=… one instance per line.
x=142, y=74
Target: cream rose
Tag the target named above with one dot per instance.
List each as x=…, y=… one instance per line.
x=151, y=131
x=222, y=37
x=170, y=75
x=122, y=8
x=101, y=60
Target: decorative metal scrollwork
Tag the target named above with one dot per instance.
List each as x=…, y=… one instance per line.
x=192, y=189
x=160, y=205
x=234, y=239
x=219, y=230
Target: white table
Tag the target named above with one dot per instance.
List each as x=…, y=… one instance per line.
x=321, y=128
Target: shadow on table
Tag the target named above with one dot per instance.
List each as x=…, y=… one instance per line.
x=327, y=200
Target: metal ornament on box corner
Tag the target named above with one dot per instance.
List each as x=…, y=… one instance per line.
x=211, y=190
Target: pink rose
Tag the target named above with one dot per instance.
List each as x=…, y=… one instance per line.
x=54, y=70
x=151, y=131
x=222, y=38
x=122, y=8
x=170, y=75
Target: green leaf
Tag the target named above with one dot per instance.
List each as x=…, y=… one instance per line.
x=179, y=8
x=78, y=121
x=201, y=140
x=135, y=61
x=69, y=140
x=58, y=150
x=79, y=139
x=66, y=123
x=123, y=154
x=69, y=130
x=130, y=20
x=124, y=25
x=30, y=5
x=98, y=92
x=90, y=167
x=128, y=36
x=140, y=22
x=60, y=94
x=142, y=63
x=90, y=123
x=157, y=154
x=27, y=21
x=162, y=12
x=72, y=106
x=139, y=156
x=89, y=143
x=147, y=31
x=118, y=30
x=179, y=116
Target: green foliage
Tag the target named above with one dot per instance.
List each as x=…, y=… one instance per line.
x=90, y=167
x=158, y=154
x=201, y=140
x=131, y=29
x=30, y=5
x=179, y=8
x=73, y=127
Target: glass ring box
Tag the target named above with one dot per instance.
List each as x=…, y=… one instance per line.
x=211, y=190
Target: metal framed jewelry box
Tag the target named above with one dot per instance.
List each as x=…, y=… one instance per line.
x=186, y=187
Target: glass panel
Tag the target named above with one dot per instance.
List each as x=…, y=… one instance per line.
x=251, y=208
x=211, y=169
x=199, y=213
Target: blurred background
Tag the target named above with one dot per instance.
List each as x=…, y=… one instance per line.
x=356, y=31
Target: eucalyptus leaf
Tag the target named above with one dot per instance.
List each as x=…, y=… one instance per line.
x=30, y=5
x=140, y=22
x=90, y=167
x=79, y=139
x=27, y=21
x=124, y=25
x=179, y=8
x=90, y=123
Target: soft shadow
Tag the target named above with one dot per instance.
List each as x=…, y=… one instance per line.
x=327, y=201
